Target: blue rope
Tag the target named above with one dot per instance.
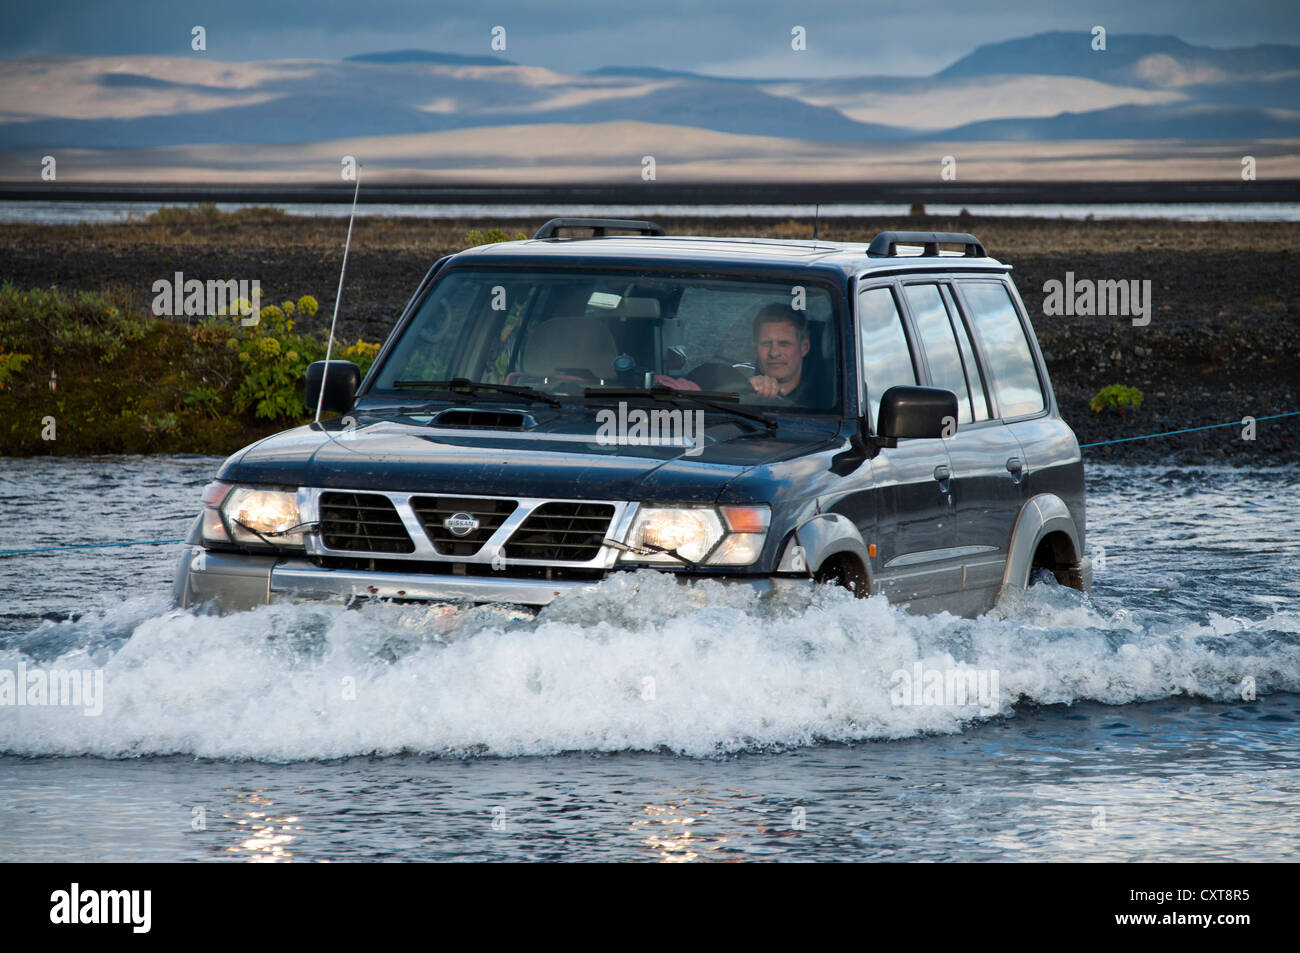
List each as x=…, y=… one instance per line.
x=1169, y=433
x=56, y=549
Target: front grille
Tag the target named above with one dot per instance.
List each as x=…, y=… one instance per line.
x=362, y=523
x=433, y=510
x=567, y=532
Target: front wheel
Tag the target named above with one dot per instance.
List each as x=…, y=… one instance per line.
x=1042, y=576
x=847, y=573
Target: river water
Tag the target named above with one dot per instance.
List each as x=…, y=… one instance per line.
x=646, y=721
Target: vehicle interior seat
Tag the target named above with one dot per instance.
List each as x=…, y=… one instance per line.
x=574, y=348
x=821, y=351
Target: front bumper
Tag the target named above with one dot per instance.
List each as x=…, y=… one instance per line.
x=234, y=582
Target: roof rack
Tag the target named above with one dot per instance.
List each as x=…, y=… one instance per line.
x=599, y=226
x=885, y=244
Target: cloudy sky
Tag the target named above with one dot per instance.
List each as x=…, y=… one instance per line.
x=727, y=37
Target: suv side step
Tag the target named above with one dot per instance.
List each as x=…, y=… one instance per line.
x=598, y=226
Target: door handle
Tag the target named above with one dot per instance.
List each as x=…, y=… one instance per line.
x=1016, y=467
x=944, y=475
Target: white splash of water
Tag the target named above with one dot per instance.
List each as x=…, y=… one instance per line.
x=637, y=663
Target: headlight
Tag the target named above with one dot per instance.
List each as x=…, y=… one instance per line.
x=690, y=531
x=214, y=527
x=695, y=532
x=263, y=517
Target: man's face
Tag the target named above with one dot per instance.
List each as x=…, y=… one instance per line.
x=780, y=352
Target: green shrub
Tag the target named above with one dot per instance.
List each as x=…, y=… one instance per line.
x=1117, y=397
x=204, y=399
x=490, y=237
x=10, y=365
x=273, y=362
x=362, y=354
x=201, y=387
x=273, y=312
x=62, y=323
x=184, y=214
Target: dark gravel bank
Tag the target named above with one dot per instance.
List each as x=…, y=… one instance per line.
x=1223, y=341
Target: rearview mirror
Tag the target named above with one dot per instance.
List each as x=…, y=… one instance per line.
x=341, y=385
x=909, y=412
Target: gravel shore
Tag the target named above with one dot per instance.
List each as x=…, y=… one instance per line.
x=1223, y=341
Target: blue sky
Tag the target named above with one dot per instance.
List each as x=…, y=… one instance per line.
x=729, y=37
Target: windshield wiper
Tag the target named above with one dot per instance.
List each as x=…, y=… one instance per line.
x=462, y=384
x=706, y=398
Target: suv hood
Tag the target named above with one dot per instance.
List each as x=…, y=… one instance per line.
x=562, y=459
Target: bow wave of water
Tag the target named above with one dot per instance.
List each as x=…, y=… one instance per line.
x=1190, y=602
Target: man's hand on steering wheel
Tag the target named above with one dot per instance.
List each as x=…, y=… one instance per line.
x=765, y=386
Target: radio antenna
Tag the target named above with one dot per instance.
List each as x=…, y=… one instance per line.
x=329, y=345
x=817, y=214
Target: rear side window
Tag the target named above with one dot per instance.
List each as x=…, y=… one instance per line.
x=946, y=369
x=886, y=360
x=974, y=377
x=1015, y=384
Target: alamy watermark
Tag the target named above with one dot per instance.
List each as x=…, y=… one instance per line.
x=950, y=687
x=1087, y=297
x=55, y=687
x=130, y=907
x=651, y=428
x=189, y=297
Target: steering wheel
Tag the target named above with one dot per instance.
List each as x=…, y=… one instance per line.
x=721, y=376
x=781, y=400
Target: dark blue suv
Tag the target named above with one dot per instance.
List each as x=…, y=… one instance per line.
x=764, y=413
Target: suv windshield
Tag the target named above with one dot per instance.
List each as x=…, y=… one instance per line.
x=772, y=342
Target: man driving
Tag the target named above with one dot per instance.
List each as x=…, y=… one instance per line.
x=781, y=342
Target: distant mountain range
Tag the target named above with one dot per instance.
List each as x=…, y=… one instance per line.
x=1042, y=89
x=1133, y=59
x=425, y=56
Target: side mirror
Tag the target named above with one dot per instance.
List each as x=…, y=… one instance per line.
x=341, y=385
x=907, y=412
